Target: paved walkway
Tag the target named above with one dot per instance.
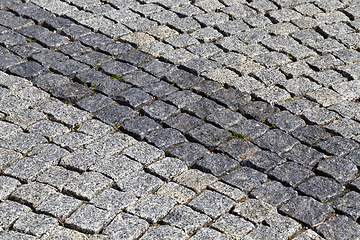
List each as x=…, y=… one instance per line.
x=166, y=119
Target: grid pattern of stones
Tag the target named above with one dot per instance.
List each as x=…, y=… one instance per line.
x=224, y=129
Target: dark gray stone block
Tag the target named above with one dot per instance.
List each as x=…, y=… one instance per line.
x=263, y=161
x=74, y=49
x=321, y=188
x=231, y=98
x=340, y=226
x=245, y=178
x=135, y=57
x=188, y=152
x=202, y=108
x=216, y=164
x=285, y=174
x=7, y=60
x=237, y=148
x=47, y=58
x=338, y=146
x=342, y=170
x=95, y=40
x=116, y=115
x=286, y=121
x=134, y=97
x=208, y=135
x=307, y=210
x=26, y=50
x=140, y=127
x=225, y=118
x=348, y=205
x=139, y=79
x=49, y=81
x=276, y=141
x=159, y=89
x=250, y=129
x=207, y=88
x=304, y=155
x=165, y=138
x=273, y=193
x=259, y=110
x=69, y=68
x=95, y=103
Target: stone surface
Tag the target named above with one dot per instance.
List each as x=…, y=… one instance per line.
x=307, y=210
x=80, y=219
x=254, y=210
x=212, y=204
x=247, y=100
x=245, y=178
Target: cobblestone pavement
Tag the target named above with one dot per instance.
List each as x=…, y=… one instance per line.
x=171, y=119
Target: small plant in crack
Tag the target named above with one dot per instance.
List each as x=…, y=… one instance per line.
x=31, y=40
x=113, y=76
x=273, y=126
x=237, y=135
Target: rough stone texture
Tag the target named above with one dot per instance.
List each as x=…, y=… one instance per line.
x=273, y=193
x=87, y=185
x=208, y=135
x=152, y=207
x=307, y=210
x=126, y=226
x=342, y=170
x=35, y=224
x=245, y=178
x=32, y=194
x=89, y=219
x=233, y=226
x=139, y=183
x=284, y=174
x=254, y=210
x=216, y=164
x=212, y=204
x=59, y=206
x=340, y=226
x=208, y=90
x=338, y=146
x=176, y=192
x=238, y=148
x=321, y=188
x=195, y=180
x=276, y=141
